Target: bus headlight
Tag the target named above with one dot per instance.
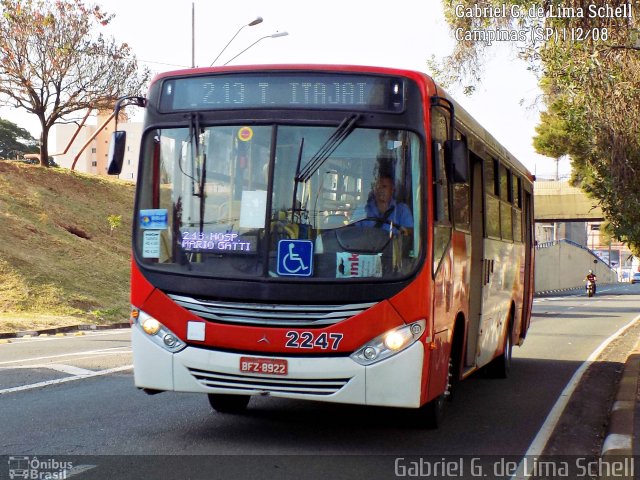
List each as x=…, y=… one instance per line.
x=389, y=343
x=157, y=332
x=151, y=326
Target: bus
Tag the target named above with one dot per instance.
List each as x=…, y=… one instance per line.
x=263, y=262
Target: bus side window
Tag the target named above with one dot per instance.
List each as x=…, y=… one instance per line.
x=517, y=209
x=492, y=200
x=506, y=199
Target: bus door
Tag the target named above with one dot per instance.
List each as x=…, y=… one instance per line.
x=527, y=301
x=496, y=261
x=476, y=283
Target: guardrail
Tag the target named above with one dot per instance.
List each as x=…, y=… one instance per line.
x=562, y=240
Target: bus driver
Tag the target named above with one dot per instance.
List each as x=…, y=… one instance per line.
x=382, y=210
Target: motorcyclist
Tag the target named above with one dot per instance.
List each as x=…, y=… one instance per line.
x=591, y=277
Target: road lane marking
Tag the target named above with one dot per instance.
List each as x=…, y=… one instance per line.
x=540, y=441
x=102, y=351
x=58, y=367
x=77, y=470
x=69, y=369
x=65, y=380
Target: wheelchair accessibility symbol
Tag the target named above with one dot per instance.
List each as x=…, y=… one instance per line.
x=295, y=258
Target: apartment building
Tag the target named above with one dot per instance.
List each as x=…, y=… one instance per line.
x=610, y=251
x=90, y=151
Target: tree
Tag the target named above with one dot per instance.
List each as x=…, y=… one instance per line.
x=54, y=66
x=15, y=140
x=114, y=222
x=589, y=71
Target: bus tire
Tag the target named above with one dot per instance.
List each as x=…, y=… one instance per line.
x=432, y=413
x=500, y=366
x=224, y=403
x=455, y=361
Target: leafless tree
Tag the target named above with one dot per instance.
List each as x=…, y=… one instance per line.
x=54, y=64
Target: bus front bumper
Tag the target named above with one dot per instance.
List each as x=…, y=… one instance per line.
x=394, y=382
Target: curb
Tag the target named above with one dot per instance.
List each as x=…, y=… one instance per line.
x=579, y=289
x=63, y=330
x=561, y=290
x=619, y=439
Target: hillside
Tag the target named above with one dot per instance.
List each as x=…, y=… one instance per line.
x=60, y=264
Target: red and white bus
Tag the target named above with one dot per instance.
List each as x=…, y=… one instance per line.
x=263, y=263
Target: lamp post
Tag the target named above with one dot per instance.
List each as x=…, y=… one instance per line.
x=250, y=24
x=273, y=35
x=193, y=35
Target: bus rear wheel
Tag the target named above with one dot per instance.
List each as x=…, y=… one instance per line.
x=500, y=366
x=224, y=403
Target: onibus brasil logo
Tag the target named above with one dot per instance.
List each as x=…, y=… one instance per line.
x=36, y=469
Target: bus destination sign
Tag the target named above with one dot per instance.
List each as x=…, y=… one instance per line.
x=278, y=90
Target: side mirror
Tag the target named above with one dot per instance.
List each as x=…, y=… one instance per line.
x=457, y=159
x=116, y=152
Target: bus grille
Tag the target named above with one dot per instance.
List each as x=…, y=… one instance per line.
x=270, y=314
x=313, y=386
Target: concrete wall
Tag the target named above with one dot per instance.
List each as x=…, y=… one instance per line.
x=561, y=265
x=558, y=201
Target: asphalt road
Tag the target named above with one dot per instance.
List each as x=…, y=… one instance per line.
x=72, y=399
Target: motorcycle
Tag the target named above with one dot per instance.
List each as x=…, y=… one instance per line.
x=591, y=288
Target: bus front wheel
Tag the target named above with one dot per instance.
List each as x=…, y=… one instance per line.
x=228, y=403
x=432, y=414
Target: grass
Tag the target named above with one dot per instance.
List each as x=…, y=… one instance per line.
x=61, y=263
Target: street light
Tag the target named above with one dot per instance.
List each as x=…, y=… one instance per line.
x=250, y=24
x=273, y=35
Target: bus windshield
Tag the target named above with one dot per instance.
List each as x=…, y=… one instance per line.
x=314, y=202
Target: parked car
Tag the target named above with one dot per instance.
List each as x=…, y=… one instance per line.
x=34, y=159
x=635, y=278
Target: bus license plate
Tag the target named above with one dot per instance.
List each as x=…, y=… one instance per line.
x=265, y=366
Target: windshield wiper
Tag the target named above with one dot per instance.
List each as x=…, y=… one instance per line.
x=295, y=184
x=324, y=152
x=194, y=138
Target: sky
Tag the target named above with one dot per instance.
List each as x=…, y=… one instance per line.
x=401, y=33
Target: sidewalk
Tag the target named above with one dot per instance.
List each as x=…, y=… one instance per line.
x=623, y=434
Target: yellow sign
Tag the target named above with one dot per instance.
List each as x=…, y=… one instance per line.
x=245, y=134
